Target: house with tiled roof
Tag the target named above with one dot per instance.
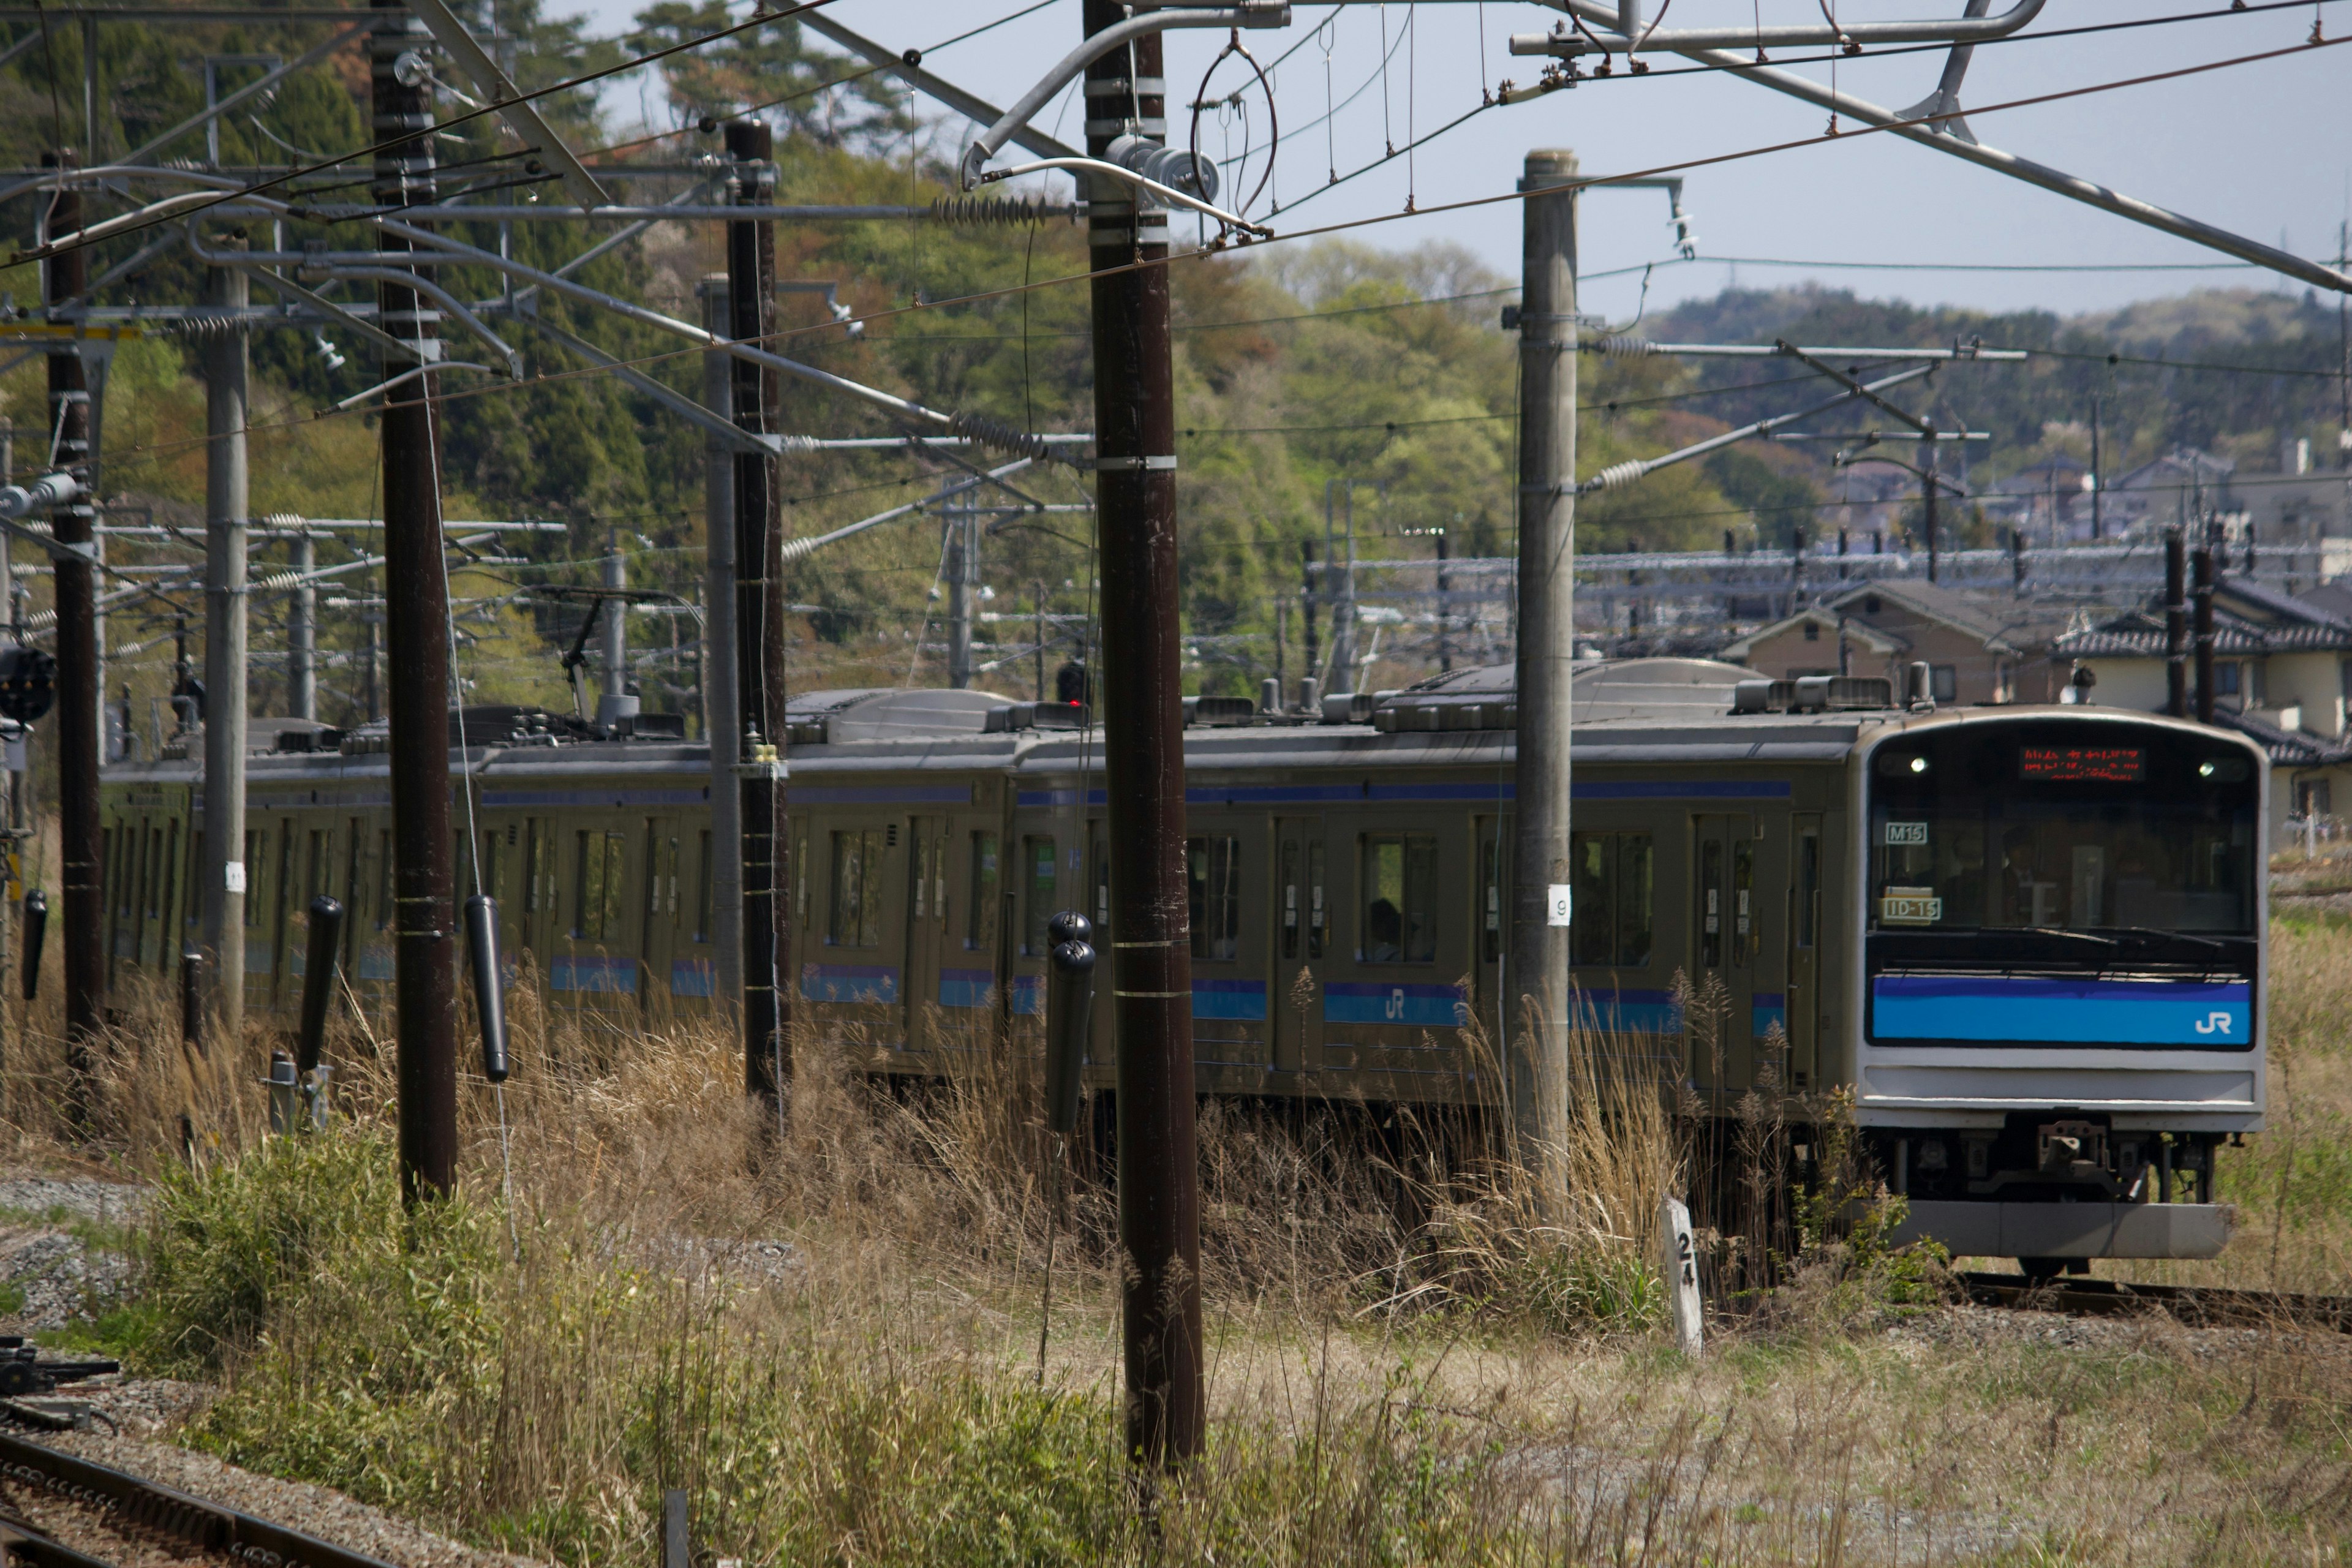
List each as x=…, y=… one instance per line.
x=2282, y=671
x=1977, y=648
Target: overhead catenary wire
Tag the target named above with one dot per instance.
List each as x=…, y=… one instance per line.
x=1713, y=160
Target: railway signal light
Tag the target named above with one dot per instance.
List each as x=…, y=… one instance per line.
x=1069, y=1008
x=318, y=980
x=37, y=925
x=489, y=1001
x=28, y=683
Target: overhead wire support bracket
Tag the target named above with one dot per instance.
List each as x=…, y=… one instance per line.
x=1923, y=130
x=1851, y=384
x=1598, y=30
x=523, y=118
x=989, y=142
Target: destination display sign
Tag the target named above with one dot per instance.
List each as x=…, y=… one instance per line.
x=2082, y=764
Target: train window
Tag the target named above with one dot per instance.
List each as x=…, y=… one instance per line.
x=1710, y=904
x=170, y=871
x=598, y=864
x=939, y=880
x=1319, y=914
x=491, y=864
x=1102, y=897
x=1615, y=898
x=322, y=863
x=1399, y=894
x=980, y=915
x=1292, y=915
x=922, y=876
x=1809, y=888
x=383, y=878
x=799, y=874
x=673, y=878
x=1490, y=901
x=702, y=894
x=256, y=854
x=1743, y=901
x=195, y=912
x=1212, y=878
x=1037, y=855
x=856, y=918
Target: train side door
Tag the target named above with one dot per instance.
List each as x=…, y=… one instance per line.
x=659, y=908
x=1725, y=914
x=927, y=928
x=1490, y=897
x=1301, y=942
x=1804, y=939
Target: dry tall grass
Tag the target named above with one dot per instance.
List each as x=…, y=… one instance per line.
x=827, y=1331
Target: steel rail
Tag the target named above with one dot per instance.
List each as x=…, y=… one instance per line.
x=207, y=1525
x=2192, y=1304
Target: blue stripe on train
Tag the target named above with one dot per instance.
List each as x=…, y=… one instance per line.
x=1630, y=1012
x=593, y=971
x=2035, y=1009
x=1236, y=1001
x=692, y=977
x=1414, y=1006
x=849, y=981
x=1496, y=791
x=965, y=987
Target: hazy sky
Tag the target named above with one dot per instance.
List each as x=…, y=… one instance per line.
x=2263, y=149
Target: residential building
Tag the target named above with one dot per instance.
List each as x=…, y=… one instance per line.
x=1977, y=648
x=2282, y=671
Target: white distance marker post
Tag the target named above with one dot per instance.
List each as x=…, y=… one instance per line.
x=1678, y=1265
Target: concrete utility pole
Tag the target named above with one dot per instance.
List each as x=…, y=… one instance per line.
x=759, y=610
x=227, y=504
x=82, y=844
x=303, y=635
x=961, y=524
x=612, y=642
x=2176, y=625
x=1143, y=760
x=721, y=720
x=416, y=635
x=1541, y=864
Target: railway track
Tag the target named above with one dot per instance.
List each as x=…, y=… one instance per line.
x=2194, y=1304
x=60, y=1511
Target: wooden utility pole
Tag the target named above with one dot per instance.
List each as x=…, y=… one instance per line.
x=227, y=505
x=1541, y=864
x=1143, y=760
x=416, y=637
x=65, y=276
x=760, y=631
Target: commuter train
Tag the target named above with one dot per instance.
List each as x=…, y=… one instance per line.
x=2028, y=941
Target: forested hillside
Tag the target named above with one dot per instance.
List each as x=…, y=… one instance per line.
x=1304, y=372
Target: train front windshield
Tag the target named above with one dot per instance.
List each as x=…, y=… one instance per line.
x=2003, y=829
x=2066, y=882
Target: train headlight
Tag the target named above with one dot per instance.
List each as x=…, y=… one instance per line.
x=1918, y=765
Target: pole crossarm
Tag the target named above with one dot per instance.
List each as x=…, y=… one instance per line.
x=1617, y=476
